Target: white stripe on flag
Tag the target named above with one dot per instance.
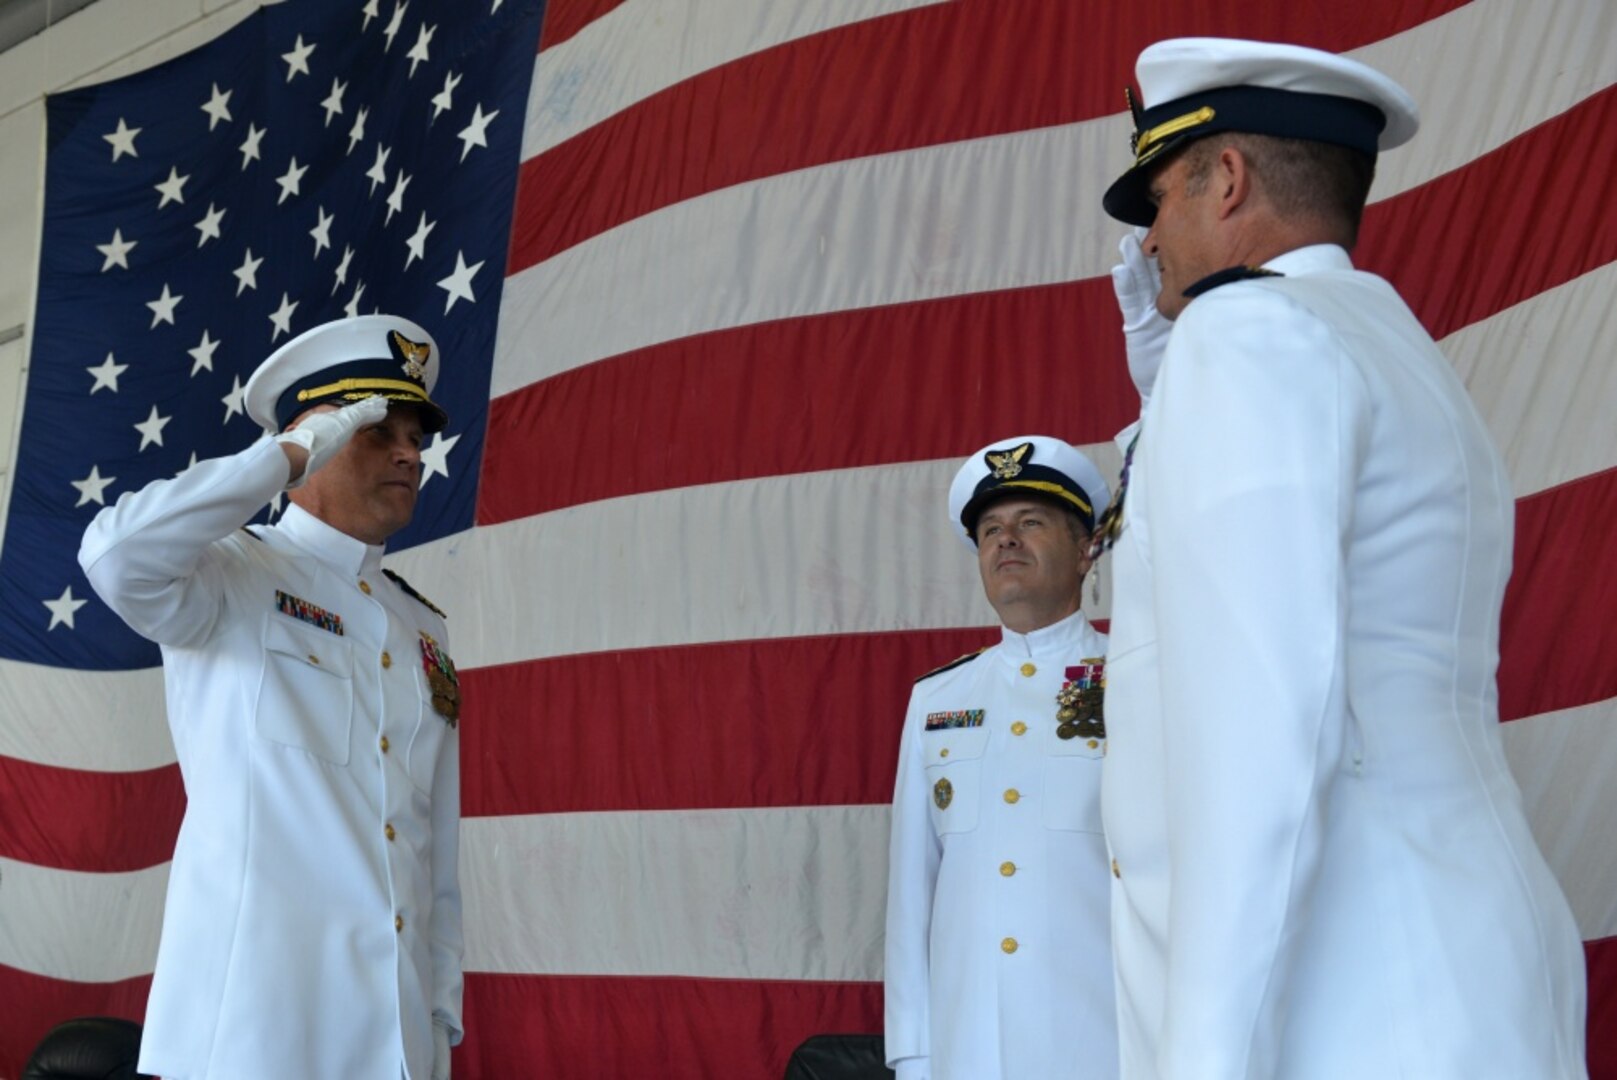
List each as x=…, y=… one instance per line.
x=626, y=55
x=759, y=893
x=1541, y=374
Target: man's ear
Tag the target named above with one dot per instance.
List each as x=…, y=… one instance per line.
x=1233, y=177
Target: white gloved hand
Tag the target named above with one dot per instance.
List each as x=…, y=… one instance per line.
x=440, y=1051
x=912, y=1068
x=323, y=434
x=1137, y=281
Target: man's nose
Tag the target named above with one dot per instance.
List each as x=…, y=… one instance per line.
x=1149, y=244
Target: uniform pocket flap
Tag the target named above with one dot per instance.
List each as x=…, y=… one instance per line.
x=320, y=650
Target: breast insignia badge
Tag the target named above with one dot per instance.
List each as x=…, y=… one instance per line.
x=943, y=793
x=1081, y=712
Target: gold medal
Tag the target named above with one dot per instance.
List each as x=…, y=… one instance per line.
x=943, y=793
x=445, y=696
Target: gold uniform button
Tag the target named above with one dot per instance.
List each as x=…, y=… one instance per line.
x=1019, y=728
x=1007, y=868
x=1029, y=669
x=387, y=659
x=944, y=752
x=364, y=586
x=398, y=924
x=1008, y=946
x=313, y=659
x=384, y=744
x=1093, y=743
x=387, y=830
x=1116, y=873
x=1012, y=795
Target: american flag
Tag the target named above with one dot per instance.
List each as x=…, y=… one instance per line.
x=773, y=270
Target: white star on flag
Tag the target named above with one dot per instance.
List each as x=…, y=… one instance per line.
x=163, y=307
x=435, y=457
x=351, y=309
x=393, y=25
x=370, y=12
x=202, y=355
x=476, y=132
x=418, y=52
x=357, y=132
x=172, y=189
x=377, y=174
x=297, y=61
x=151, y=429
x=395, y=198
x=444, y=100
x=459, y=284
x=333, y=102
x=62, y=608
x=217, y=107
x=281, y=318
x=418, y=242
x=322, y=231
x=122, y=140
x=342, y=269
x=209, y=225
x=106, y=374
x=249, y=145
x=290, y=180
x=247, y=273
x=116, y=250
x=92, y=487
x=233, y=400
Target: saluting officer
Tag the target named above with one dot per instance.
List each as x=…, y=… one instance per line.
x=1322, y=866
x=998, y=963
x=313, y=924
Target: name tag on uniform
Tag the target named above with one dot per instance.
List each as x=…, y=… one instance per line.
x=958, y=718
x=304, y=611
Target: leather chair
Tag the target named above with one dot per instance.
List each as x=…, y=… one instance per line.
x=89, y=1048
x=839, y=1057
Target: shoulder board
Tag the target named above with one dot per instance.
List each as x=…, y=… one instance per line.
x=410, y=591
x=952, y=664
x=251, y=533
x=1224, y=277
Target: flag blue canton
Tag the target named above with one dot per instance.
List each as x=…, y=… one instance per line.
x=318, y=160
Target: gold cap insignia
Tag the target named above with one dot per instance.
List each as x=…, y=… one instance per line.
x=1007, y=464
x=415, y=355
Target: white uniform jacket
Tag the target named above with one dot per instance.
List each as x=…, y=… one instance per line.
x=998, y=962
x=312, y=927
x=1324, y=869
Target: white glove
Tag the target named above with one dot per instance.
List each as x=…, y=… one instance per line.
x=440, y=1048
x=323, y=434
x=912, y=1068
x=1137, y=281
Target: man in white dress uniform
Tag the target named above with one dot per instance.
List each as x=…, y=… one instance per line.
x=312, y=927
x=998, y=961
x=1322, y=866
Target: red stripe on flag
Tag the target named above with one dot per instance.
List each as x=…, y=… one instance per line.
x=906, y=382
x=781, y=722
x=670, y=1028
x=564, y=18
x=1601, y=957
x=33, y=1004
x=1456, y=259
x=941, y=73
x=1558, y=641
x=100, y=822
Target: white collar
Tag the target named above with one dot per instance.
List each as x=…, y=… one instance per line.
x=1313, y=259
x=1059, y=639
x=330, y=545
